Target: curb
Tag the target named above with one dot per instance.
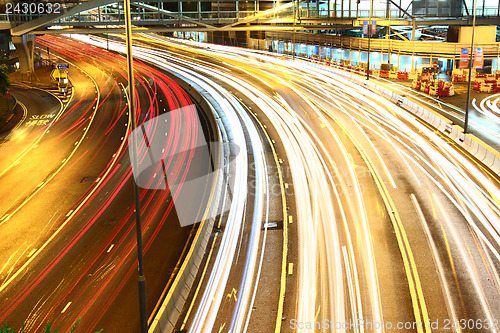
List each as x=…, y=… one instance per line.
x=12, y=121
x=173, y=304
x=479, y=150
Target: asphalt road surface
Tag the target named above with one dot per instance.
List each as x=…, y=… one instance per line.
x=67, y=209
x=391, y=224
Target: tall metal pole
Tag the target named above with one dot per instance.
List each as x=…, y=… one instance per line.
x=471, y=59
x=294, y=20
x=131, y=106
x=369, y=33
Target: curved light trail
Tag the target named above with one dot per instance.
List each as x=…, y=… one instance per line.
x=393, y=223
x=99, y=122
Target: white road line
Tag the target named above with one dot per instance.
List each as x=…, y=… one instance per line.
x=31, y=252
x=66, y=307
x=109, y=250
x=350, y=286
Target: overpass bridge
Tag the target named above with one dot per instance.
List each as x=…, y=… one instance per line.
x=235, y=19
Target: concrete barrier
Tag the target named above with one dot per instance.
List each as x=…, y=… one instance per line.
x=489, y=159
x=454, y=133
x=496, y=165
x=481, y=153
x=475, y=147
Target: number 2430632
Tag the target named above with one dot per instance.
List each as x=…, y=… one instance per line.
x=32, y=8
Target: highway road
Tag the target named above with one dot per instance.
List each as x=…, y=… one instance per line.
x=484, y=111
x=67, y=208
x=341, y=207
x=385, y=221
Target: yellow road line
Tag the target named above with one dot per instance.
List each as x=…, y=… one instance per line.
x=432, y=206
x=66, y=221
x=281, y=299
x=412, y=275
x=198, y=288
x=25, y=113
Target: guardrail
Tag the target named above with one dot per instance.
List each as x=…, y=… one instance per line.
x=173, y=304
x=419, y=48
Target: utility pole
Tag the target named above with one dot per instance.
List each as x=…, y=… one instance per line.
x=369, y=33
x=131, y=107
x=471, y=59
x=295, y=9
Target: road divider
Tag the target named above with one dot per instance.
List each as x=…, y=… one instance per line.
x=172, y=306
x=479, y=150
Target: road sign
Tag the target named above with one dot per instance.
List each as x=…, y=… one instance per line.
x=435, y=64
x=62, y=66
x=365, y=27
x=464, y=58
x=479, y=58
x=55, y=75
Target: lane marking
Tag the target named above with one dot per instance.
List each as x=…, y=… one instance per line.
x=25, y=114
x=281, y=299
x=63, y=225
x=233, y=294
x=350, y=286
x=438, y=262
x=35, y=144
x=66, y=307
x=413, y=278
x=290, y=268
x=109, y=250
x=31, y=252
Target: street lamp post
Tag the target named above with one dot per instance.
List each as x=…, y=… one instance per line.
x=471, y=59
x=131, y=84
x=369, y=33
x=294, y=22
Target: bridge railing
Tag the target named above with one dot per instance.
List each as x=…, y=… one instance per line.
x=114, y=13
x=418, y=48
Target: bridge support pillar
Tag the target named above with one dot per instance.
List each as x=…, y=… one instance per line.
x=25, y=46
x=210, y=37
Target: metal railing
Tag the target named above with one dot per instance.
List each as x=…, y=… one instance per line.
x=429, y=49
x=113, y=13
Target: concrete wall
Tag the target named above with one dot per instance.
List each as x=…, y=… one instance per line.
x=483, y=35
